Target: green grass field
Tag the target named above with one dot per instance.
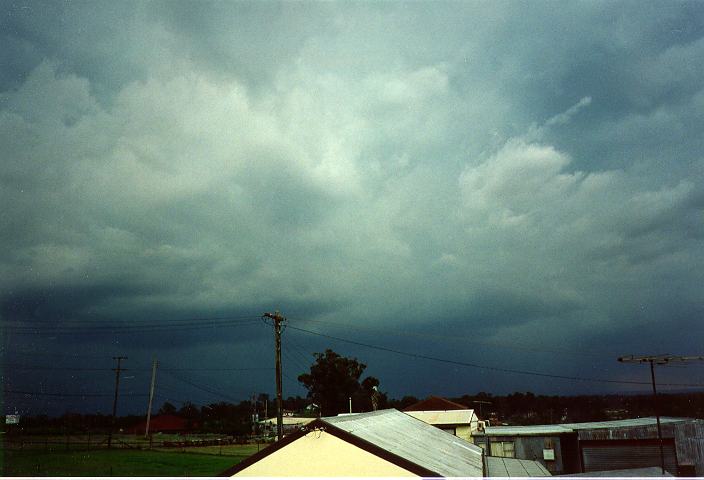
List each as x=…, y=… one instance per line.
x=124, y=462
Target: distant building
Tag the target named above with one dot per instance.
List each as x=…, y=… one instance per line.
x=570, y=448
x=452, y=417
x=290, y=424
x=164, y=424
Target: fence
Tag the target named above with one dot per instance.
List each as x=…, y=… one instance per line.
x=56, y=443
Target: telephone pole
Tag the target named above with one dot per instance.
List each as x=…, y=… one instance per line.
x=658, y=360
x=151, y=396
x=114, y=403
x=481, y=402
x=278, y=320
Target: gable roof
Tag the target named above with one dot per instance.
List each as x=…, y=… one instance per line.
x=434, y=403
x=396, y=437
x=446, y=417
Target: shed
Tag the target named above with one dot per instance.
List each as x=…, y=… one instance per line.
x=446, y=415
x=377, y=444
x=601, y=446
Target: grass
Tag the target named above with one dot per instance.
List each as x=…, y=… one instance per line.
x=86, y=442
x=242, y=451
x=123, y=462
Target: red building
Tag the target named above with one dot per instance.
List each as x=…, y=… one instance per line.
x=165, y=424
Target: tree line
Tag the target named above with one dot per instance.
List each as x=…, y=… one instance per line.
x=334, y=380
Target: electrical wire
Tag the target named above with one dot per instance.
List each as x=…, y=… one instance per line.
x=91, y=322
x=294, y=361
x=456, y=338
x=204, y=388
x=486, y=367
x=124, y=329
x=93, y=326
x=18, y=366
x=299, y=350
x=56, y=394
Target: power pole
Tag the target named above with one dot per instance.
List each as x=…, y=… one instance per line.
x=151, y=396
x=481, y=402
x=254, y=414
x=658, y=360
x=114, y=403
x=278, y=320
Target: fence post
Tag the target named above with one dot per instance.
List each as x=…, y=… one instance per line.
x=67, y=441
x=89, y=440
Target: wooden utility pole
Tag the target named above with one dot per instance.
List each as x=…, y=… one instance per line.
x=151, y=397
x=658, y=360
x=278, y=320
x=114, y=403
x=481, y=402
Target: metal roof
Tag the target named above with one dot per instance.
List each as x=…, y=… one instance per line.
x=288, y=420
x=526, y=430
x=445, y=417
x=415, y=441
x=629, y=422
x=435, y=403
x=573, y=427
x=514, y=467
x=631, y=472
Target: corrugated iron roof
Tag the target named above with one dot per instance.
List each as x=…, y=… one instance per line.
x=288, y=420
x=573, y=427
x=631, y=472
x=436, y=404
x=414, y=441
x=447, y=417
x=629, y=422
x=515, y=467
x=526, y=430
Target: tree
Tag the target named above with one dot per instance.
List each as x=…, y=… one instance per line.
x=334, y=379
x=167, y=409
x=191, y=414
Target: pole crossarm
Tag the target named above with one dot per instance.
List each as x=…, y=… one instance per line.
x=653, y=360
x=660, y=359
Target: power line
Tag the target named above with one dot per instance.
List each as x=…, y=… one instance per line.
x=56, y=394
x=58, y=330
x=63, y=355
x=45, y=367
x=293, y=360
x=464, y=340
x=204, y=388
x=91, y=322
x=80, y=369
x=300, y=351
x=486, y=367
x=215, y=369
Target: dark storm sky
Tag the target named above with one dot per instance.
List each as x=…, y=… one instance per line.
x=516, y=185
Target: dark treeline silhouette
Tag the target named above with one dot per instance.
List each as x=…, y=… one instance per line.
x=514, y=409
x=530, y=409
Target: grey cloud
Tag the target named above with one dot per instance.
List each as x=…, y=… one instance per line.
x=512, y=169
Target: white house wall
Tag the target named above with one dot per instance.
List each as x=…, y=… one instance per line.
x=320, y=454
